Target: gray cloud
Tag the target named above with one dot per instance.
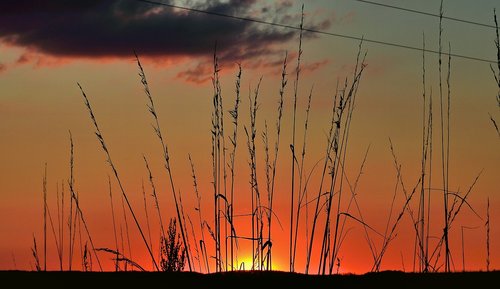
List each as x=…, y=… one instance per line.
x=114, y=28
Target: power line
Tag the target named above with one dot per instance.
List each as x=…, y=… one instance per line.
x=345, y=36
x=427, y=13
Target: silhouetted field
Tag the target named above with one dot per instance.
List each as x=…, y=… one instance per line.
x=250, y=279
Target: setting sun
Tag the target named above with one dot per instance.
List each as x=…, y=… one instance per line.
x=246, y=263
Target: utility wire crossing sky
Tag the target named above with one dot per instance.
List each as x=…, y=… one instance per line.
x=345, y=36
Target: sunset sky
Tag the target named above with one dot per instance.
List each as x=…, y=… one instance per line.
x=46, y=47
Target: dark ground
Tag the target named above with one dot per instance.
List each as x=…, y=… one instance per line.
x=255, y=279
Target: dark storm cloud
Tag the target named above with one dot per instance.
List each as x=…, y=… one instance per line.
x=92, y=28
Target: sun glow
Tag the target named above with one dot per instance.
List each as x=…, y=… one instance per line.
x=246, y=264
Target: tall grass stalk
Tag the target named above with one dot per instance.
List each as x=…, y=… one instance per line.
x=148, y=226
x=219, y=167
x=496, y=74
x=115, y=172
x=34, y=252
x=224, y=173
x=487, y=224
x=166, y=156
x=78, y=210
x=61, y=227
x=200, y=219
x=267, y=170
x=122, y=241
x=454, y=210
x=415, y=221
x=55, y=236
x=327, y=158
x=76, y=227
x=351, y=99
x=333, y=160
x=342, y=116
x=284, y=82
x=216, y=158
x=73, y=213
x=392, y=232
x=255, y=193
x=70, y=185
x=452, y=214
x=197, y=251
x=424, y=217
x=117, y=267
x=292, y=146
x=429, y=191
x=430, y=165
x=44, y=188
x=331, y=252
x=60, y=224
x=89, y=236
x=47, y=213
x=155, y=197
x=354, y=199
x=389, y=237
x=302, y=190
x=83, y=250
x=421, y=211
x=121, y=258
x=126, y=228
x=188, y=244
x=497, y=44
x=222, y=163
x=389, y=218
x=232, y=156
x=443, y=144
x=87, y=259
x=447, y=168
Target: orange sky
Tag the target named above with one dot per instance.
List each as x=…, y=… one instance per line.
x=40, y=102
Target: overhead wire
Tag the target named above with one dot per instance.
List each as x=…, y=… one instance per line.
x=316, y=31
x=427, y=13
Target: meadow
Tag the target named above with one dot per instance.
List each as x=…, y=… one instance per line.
x=268, y=202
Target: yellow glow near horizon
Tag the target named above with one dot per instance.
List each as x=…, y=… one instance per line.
x=245, y=264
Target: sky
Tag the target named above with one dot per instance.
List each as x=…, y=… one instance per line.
x=47, y=47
